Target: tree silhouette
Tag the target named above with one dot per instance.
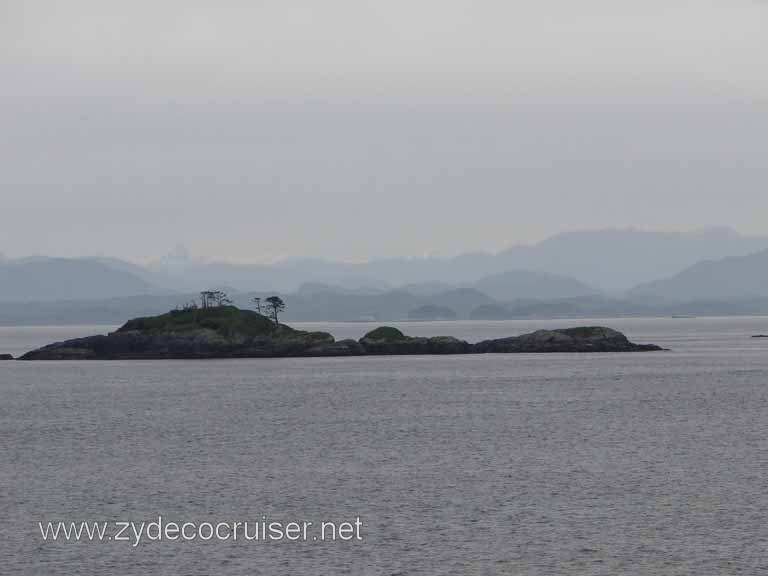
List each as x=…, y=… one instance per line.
x=275, y=305
x=257, y=301
x=206, y=299
x=214, y=299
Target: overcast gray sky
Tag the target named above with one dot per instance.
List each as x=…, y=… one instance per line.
x=354, y=129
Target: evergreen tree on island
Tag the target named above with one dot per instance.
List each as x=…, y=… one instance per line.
x=275, y=305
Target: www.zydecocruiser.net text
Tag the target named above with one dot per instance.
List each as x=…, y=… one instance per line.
x=160, y=530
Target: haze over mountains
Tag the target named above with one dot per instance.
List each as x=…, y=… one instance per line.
x=48, y=279
x=733, y=278
x=604, y=272
x=607, y=260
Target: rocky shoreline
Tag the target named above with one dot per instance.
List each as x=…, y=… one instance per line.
x=228, y=332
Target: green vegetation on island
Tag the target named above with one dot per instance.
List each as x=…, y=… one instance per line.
x=217, y=329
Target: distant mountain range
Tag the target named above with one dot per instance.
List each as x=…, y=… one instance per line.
x=516, y=284
x=611, y=261
x=466, y=304
x=615, y=261
x=734, y=278
x=49, y=279
x=713, y=271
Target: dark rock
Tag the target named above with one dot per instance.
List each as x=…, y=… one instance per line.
x=587, y=339
x=227, y=332
x=388, y=340
x=340, y=348
x=224, y=332
x=6, y=357
x=385, y=334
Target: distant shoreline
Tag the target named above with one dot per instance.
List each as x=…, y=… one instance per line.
x=116, y=325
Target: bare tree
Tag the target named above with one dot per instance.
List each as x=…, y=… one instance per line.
x=275, y=305
x=257, y=301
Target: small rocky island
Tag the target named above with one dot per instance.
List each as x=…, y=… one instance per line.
x=229, y=332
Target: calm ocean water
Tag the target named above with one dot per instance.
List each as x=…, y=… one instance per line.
x=520, y=464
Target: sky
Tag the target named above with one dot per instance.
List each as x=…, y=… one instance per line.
x=351, y=129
